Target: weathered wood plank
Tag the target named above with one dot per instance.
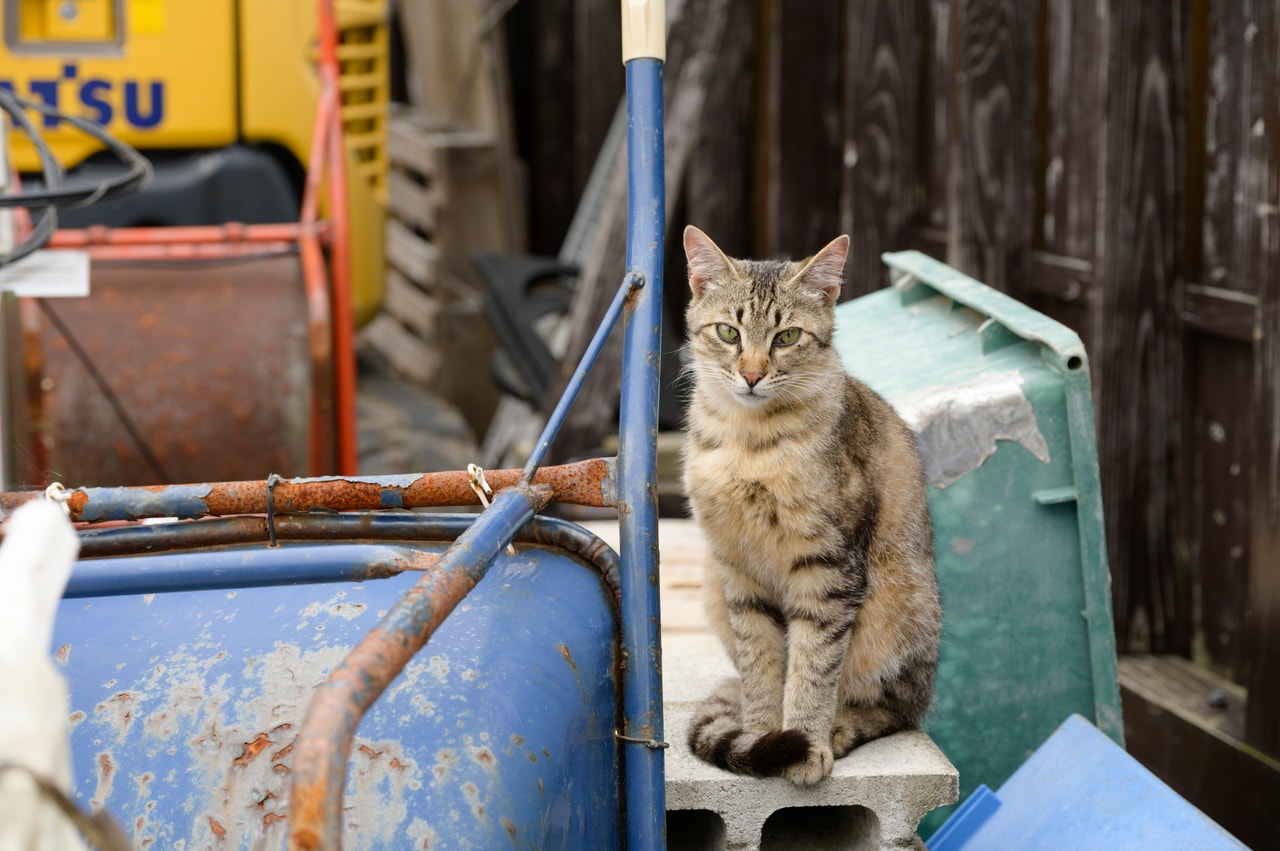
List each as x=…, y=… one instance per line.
x=1260, y=213
x=409, y=142
x=803, y=127
x=415, y=257
x=990, y=202
x=599, y=81
x=881, y=175
x=1068, y=200
x=411, y=201
x=408, y=354
x=1139, y=353
x=542, y=81
x=413, y=307
x=1219, y=501
x=937, y=120
x=1239, y=169
x=1225, y=314
x=719, y=185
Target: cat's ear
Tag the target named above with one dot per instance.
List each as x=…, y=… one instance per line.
x=707, y=263
x=823, y=273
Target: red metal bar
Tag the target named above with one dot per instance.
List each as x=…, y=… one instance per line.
x=587, y=482
x=230, y=233
x=344, y=358
x=320, y=320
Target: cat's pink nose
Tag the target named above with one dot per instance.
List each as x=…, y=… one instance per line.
x=752, y=378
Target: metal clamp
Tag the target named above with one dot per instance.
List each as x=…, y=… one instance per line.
x=58, y=494
x=476, y=475
x=272, y=480
x=651, y=744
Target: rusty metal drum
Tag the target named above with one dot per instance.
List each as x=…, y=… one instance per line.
x=204, y=370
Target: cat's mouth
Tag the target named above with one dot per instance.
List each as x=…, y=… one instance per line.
x=752, y=396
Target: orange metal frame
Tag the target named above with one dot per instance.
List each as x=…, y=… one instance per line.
x=329, y=316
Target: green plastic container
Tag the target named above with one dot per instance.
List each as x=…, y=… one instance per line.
x=1000, y=400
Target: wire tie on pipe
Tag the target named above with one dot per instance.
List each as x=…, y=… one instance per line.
x=651, y=744
x=57, y=493
x=475, y=473
x=272, y=480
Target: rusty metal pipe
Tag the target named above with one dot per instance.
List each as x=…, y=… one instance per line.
x=323, y=746
x=589, y=482
x=244, y=568
x=172, y=538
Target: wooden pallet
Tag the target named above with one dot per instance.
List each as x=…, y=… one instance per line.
x=440, y=202
x=406, y=331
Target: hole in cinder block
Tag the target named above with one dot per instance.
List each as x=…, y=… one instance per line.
x=695, y=830
x=821, y=828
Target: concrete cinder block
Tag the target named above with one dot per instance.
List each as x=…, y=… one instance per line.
x=874, y=799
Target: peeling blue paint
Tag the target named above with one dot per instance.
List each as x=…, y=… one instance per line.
x=132, y=503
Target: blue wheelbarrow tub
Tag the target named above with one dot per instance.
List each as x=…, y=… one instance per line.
x=500, y=733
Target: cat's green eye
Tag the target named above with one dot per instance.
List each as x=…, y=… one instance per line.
x=787, y=337
x=727, y=333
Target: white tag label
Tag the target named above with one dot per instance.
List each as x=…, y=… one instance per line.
x=48, y=274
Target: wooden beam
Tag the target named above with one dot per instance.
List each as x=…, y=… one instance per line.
x=990, y=199
x=802, y=128
x=880, y=188
x=1068, y=204
x=1261, y=214
x=1139, y=354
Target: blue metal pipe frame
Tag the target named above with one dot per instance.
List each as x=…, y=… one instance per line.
x=637, y=461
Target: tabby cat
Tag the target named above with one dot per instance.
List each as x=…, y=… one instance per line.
x=811, y=495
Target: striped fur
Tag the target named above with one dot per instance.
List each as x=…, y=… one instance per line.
x=812, y=498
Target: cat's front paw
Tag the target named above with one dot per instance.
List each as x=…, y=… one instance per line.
x=815, y=766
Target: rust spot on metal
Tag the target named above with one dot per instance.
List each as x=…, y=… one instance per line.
x=282, y=753
x=568, y=657
x=397, y=764
x=62, y=653
x=217, y=828
x=252, y=749
x=419, y=561
x=76, y=717
x=540, y=787
x=510, y=827
x=369, y=752
x=269, y=819
x=546, y=753
x=533, y=757
x=472, y=793
x=262, y=804
x=104, y=764
x=484, y=757
x=517, y=740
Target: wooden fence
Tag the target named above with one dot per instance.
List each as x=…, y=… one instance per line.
x=1112, y=164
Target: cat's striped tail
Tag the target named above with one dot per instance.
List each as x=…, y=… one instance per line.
x=716, y=736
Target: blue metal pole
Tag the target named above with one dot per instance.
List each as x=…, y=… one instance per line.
x=294, y=564
x=571, y=390
x=637, y=462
